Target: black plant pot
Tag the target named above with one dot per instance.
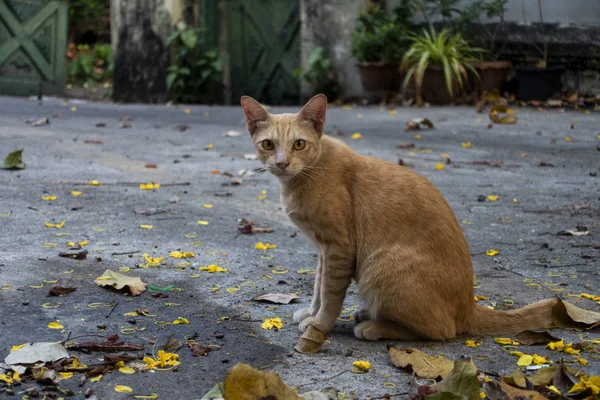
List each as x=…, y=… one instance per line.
x=539, y=83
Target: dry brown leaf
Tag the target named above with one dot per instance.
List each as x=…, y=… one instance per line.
x=424, y=365
x=521, y=394
x=531, y=337
x=311, y=341
x=277, y=298
x=39, y=122
x=120, y=281
x=517, y=379
x=94, y=141
x=246, y=383
x=60, y=290
x=197, y=349
x=563, y=379
x=507, y=118
x=488, y=163
x=150, y=165
x=112, y=344
x=172, y=345
x=545, y=164
x=405, y=146
x=566, y=315
x=416, y=124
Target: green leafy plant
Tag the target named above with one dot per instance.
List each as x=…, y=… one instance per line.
x=91, y=64
x=379, y=36
x=491, y=9
x=320, y=74
x=195, y=75
x=450, y=51
x=86, y=10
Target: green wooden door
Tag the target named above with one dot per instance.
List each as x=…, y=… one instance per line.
x=33, y=44
x=264, y=50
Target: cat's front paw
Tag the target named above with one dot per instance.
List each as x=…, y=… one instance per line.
x=323, y=326
x=301, y=315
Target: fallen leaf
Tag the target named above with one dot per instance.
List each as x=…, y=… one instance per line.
x=508, y=118
x=172, y=345
x=40, y=122
x=405, y=146
x=531, y=337
x=246, y=383
x=578, y=231
x=460, y=383
x=112, y=344
x=32, y=353
x=119, y=281
x=566, y=315
x=415, y=124
x=232, y=134
x=488, y=163
x=517, y=379
x=503, y=391
x=60, y=290
x=150, y=165
x=215, y=393
x=14, y=160
x=101, y=125
x=423, y=364
x=545, y=164
x=76, y=255
x=182, y=128
x=197, y=349
x=124, y=125
x=94, y=141
x=277, y=298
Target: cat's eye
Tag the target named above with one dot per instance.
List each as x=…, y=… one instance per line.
x=267, y=144
x=299, y=144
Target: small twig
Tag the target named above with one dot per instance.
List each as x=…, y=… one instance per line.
x=321, y=380
x=112, y=309
x=82, y=336
x=124, y=253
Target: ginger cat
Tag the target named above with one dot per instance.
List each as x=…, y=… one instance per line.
x=384, y=225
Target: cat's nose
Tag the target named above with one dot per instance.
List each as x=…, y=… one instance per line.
x=282, y=164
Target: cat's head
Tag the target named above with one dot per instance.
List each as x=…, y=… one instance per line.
x=286, y=144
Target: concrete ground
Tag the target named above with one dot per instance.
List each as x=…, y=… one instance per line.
x=549, y=200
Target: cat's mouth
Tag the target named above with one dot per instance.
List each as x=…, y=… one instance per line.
x=283, y=173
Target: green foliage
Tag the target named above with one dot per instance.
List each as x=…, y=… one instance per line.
x=86, y=10
x=320, y=74
x=450, y=51
x=379, y=36
x=14, y=160
x=195, y=76
x=91, y=65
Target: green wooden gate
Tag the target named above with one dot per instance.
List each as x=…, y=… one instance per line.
x=264, y=49
x=33, y=44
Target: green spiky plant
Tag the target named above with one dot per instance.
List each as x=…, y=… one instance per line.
x=449, y=50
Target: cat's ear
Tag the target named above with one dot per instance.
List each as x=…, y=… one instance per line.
x=255, y=113
x=315, y=112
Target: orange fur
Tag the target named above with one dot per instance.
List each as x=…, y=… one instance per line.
x=384, y=225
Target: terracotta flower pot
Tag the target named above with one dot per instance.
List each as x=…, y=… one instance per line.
x=380, y=77
x=492, y=75
x=434, y=89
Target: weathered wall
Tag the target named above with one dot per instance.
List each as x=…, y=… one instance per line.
x=329, y=24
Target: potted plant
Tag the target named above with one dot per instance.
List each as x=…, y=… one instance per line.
x=438, y=63
x=539, y=81
x=378, y=42
x=492, y=71
x=320, y=74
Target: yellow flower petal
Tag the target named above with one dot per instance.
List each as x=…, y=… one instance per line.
x=94, y=183
x=537, y=360
x=96, y=378
x=66, y=375
x=127, y=370
x=264, y=246
x=417, y=136
x=492, y=253
x=466, y=145
x=515, y=200
x=146, y=226
x=356, y=136
x=362, y=365
x=525, y=360
x=149, y=186
x=492, y=198
x=123, y=389
x=568, y=140
x=75, y=193
x=506, y=341
x=180, y=321
x=209, y=146
x=48, y=198
x=15, y=348
x=207, y=205
x=472, y=343
x=202, y=222
x=55, y=325
x=213, y=268
x=439, y=166
x=187, y=111
x=271, y=323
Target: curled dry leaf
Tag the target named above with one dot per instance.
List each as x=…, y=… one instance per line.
x=578, y=231
x=507, y=118
x=172, y=345
x=60, y=290
x=76, y=255
x=566, y=315
x=424, y=365
x=531, y=337
x=503, y=391
x=462, y=382
x=197, y=349
x=311, y=341
x=119, y=281
x=40, y=122
x=246, y=383
x=415, y=124
x=277, y=298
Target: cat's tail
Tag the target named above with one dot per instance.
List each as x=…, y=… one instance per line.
x=486, y=321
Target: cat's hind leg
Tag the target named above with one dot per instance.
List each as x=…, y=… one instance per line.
x=377, y=330
x=362, y=315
